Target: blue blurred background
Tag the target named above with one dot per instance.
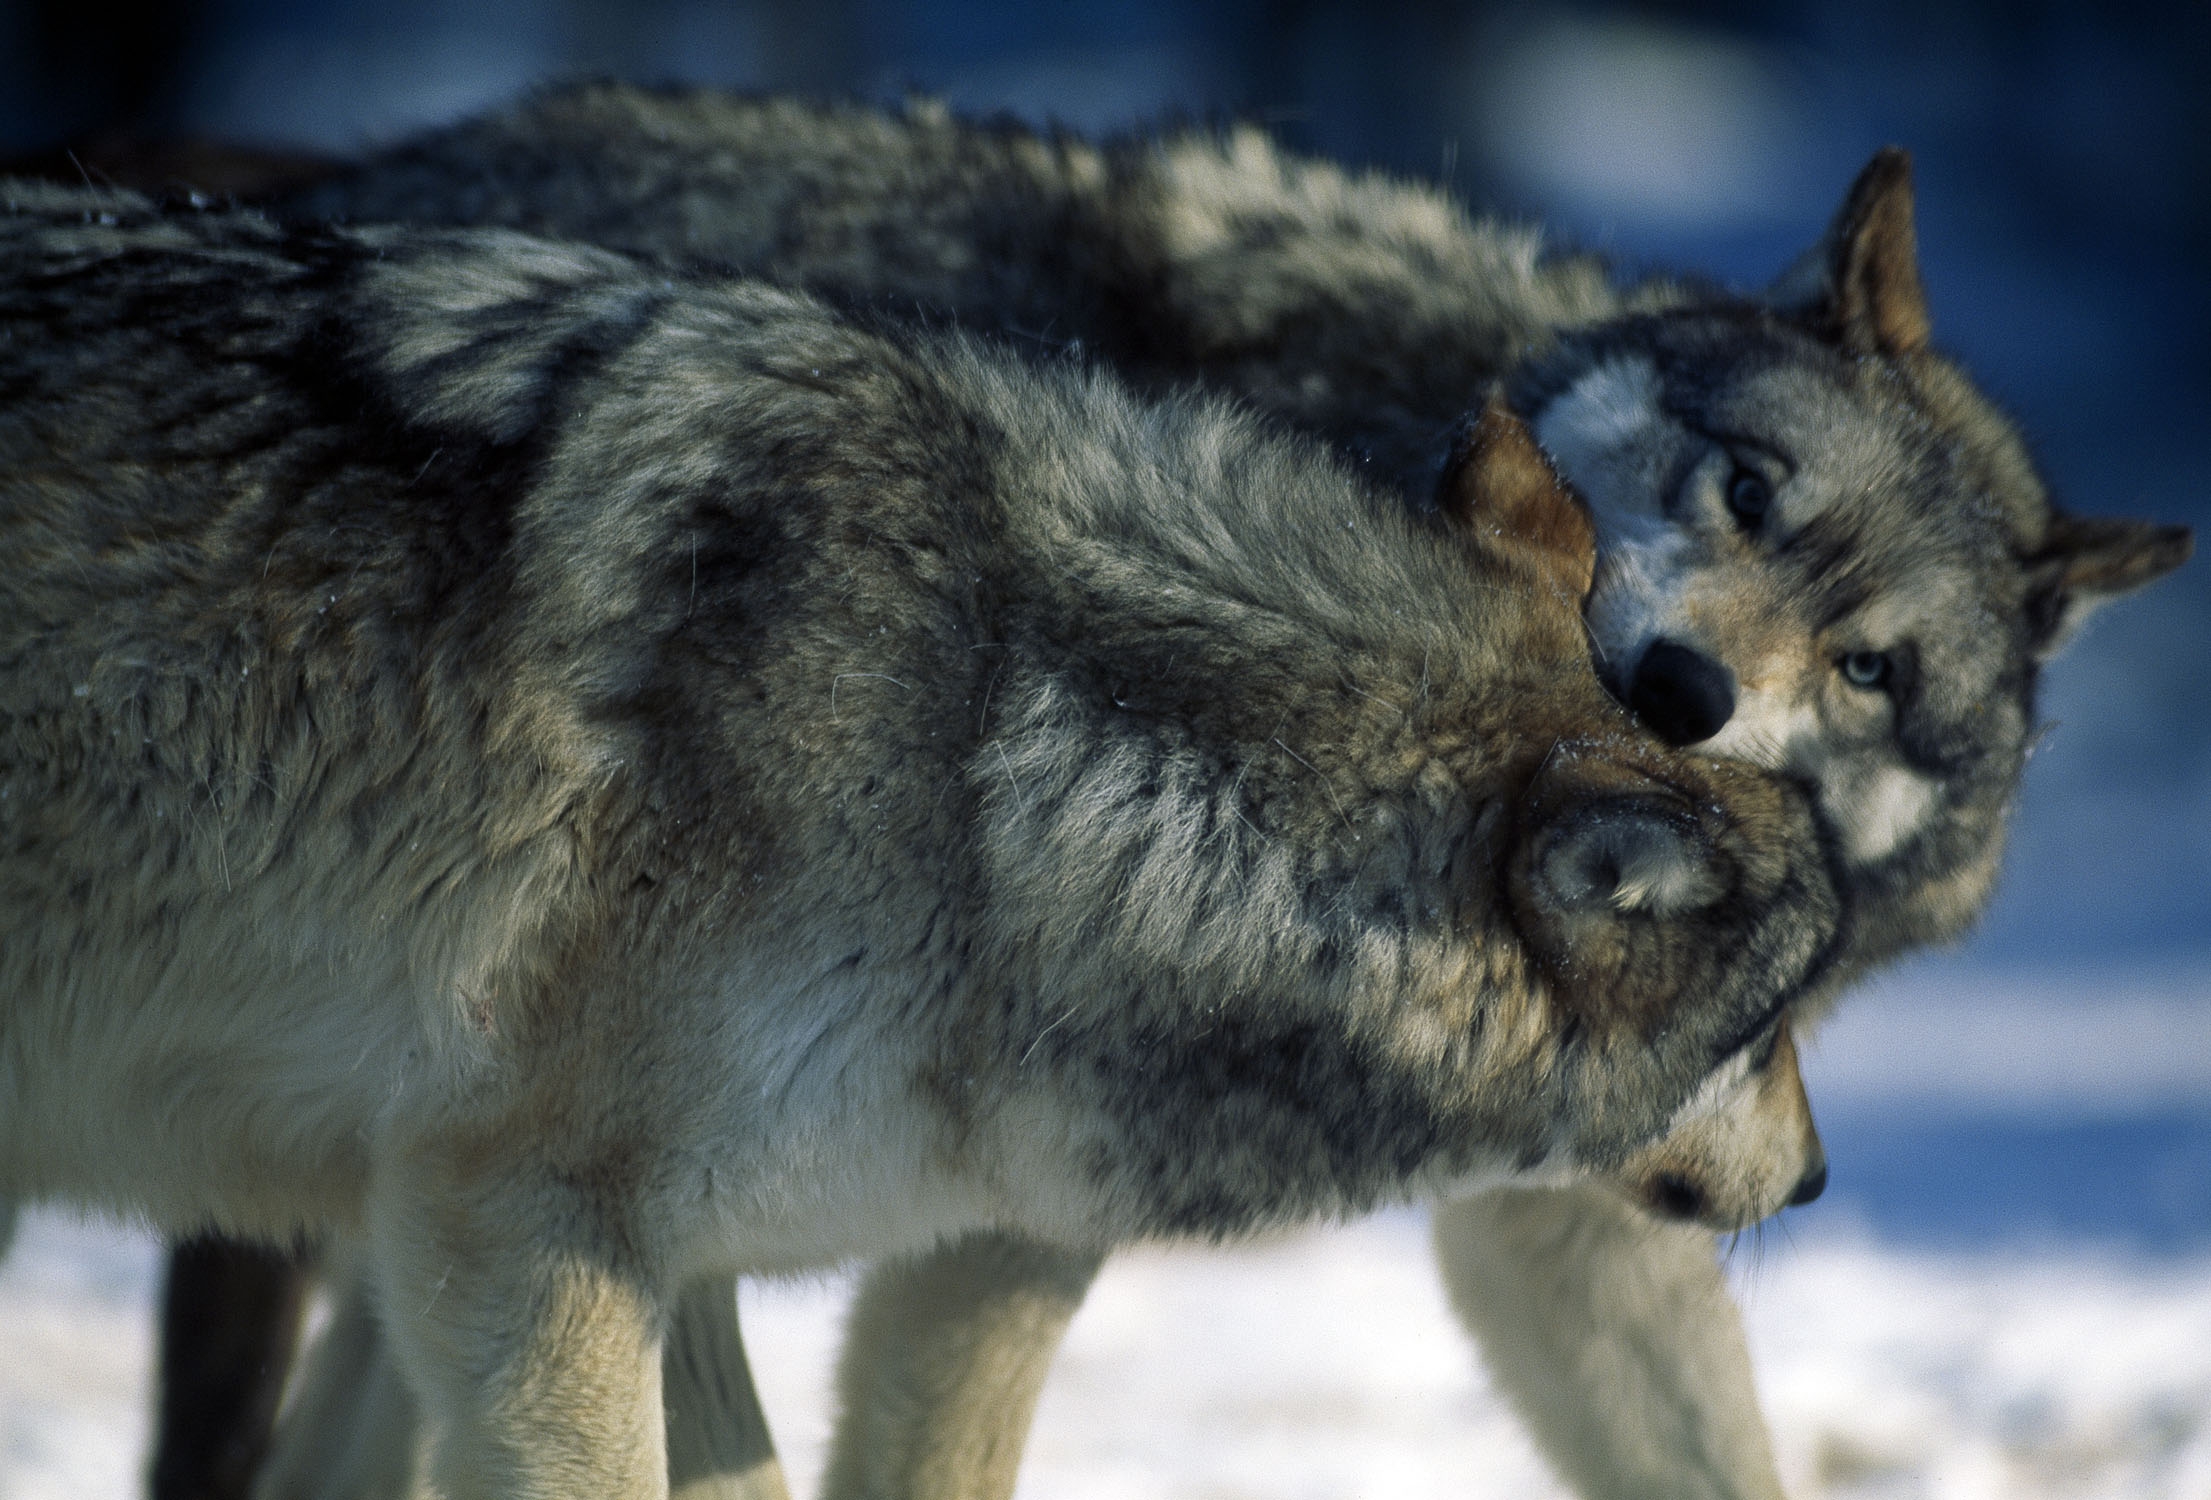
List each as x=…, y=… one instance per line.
x=2064, y=168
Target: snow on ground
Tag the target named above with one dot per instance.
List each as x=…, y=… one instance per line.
x=1325, y=1365
x=76, y=1354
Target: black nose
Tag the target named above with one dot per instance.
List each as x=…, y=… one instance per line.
x=1811, y=1186
x=1684, y=695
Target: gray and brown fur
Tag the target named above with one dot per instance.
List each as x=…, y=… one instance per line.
x=584, y=778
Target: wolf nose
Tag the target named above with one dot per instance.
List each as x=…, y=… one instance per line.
x=1683, y=694
x=1810, y=1186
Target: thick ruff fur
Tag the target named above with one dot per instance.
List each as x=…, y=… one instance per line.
x=583, y=779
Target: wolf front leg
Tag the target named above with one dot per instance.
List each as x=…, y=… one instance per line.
x=944, y=1357
x=529, y=1336
x=1614, y=1337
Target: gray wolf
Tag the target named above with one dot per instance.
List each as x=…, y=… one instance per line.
x=580, y=779
x=1822, y=550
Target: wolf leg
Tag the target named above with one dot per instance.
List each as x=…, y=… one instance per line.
x=718, y=1442
x=527, y=1332
x=351, y=1432
x=230, y=1315
x=944, y=1357
x=1614, y=1336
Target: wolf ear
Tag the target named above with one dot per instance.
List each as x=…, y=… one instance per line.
x=2087, y=561
x=1859, y=287
x=1500, y=488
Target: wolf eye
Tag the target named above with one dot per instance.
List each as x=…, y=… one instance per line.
x=1749, y=497
x=1865, y=669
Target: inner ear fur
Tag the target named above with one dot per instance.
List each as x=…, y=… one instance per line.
x=2087, y=561
x=1859, y=286
x=1499, y=487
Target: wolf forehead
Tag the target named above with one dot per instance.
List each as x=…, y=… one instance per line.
x=1901, y=498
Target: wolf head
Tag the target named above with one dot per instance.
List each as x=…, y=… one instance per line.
x=1822, y=551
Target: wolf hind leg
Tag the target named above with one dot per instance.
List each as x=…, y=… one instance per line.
x=1614, y=1337
x=944, y=1357
x=719, y=1447
x=351, y=1431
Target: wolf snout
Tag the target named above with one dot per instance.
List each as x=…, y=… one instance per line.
x=1628, y=856
x=1684, y=695
x=1743, y=1148
x=1729, y=1195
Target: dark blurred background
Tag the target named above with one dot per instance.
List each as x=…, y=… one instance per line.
x=2064, y=169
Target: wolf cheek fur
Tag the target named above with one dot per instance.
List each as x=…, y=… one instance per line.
x=590, y=778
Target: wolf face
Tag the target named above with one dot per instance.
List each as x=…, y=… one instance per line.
x=1824, y=553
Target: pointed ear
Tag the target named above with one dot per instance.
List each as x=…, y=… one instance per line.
x=1502, y=491
x=1859, y=287
x=2087, y=561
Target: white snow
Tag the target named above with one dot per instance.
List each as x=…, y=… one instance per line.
x=1325, y=1365
x=76, y=1353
